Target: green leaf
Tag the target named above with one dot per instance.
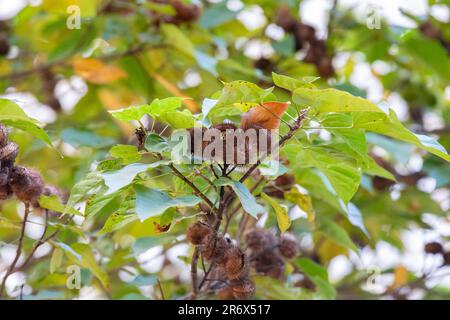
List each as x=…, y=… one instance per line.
x=128, y=153
x=151, y=202
x=116, y=180
x=88, y=261
x=156, y=143
x=54, y=204
x=117, y=221
x=319, y=276
x=303, y=201
x=335, y=232
x=332, y=100
x=12, y=115
x=343, y=172
x=216, y=15
x=389, y=125
x=80, y=190
x=289, y=83
x=311, y=268
x=78, y=138
x=429, y=55
x=239, y=92
x=176, y=38
x=155, y=108
x=178, y=119
x=56, y=260
x=272, y=168
x=248, y=201
x=284, y=222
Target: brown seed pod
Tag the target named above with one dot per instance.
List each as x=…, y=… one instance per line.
x=256, y=240
x=5, y=190
x=225, y=293
x=285, y=19
x=8, y=154
x=259, y=239
x=243, y=289
x=433, y=248
x=186, y=12
x=197, y=232
x=214, y=248
x=325, y=67
x=27, y=184
x=235, y=263
x=289, y=246
x=3, y=136
x=270, y=263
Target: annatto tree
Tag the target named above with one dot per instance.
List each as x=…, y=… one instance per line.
x=222, y=150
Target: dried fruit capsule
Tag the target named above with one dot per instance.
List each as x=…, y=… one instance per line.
x=3, y=136
x=243, y=289
x=8, y=154
x=225, y=293
x=289, y=246
x=198, y=232
x=214, y=248
x=269, y=263
x=5, y=190
x=433, y=248
x=27, y=184
x=259, y=239
x=234, y=263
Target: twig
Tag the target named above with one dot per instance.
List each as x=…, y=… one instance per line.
x=18, y=251
x=194, y=275
x=161, y=290
x=196, y=190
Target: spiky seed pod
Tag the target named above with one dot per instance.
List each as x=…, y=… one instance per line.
x=186, y=12
x=235, y=263
x=259, y=239
x=225, y=293
x=27, y=184
x=214, y=248
x=433, y=248
x=8, y=154
x=270, y=263
x=50, y=190
x=289, y=246
x=3, y=136
x=285, y=20
x=5, y=190
x=256, y=240
x=243, y=289
x=197, y=232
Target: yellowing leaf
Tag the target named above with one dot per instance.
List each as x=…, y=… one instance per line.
x=284, y=222
x=303, y=201
x=400, y=277
x=96, y=71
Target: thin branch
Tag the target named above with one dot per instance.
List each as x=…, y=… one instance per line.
x=194, y=275
x=161, y=290
x=18, y=251
x=196, y=190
